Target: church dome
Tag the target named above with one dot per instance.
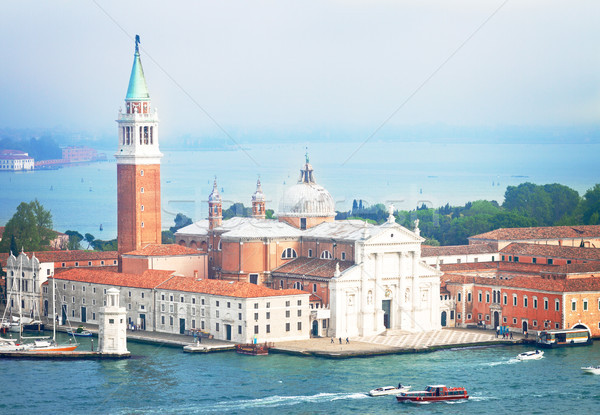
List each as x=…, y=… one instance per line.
x=258, y=196
x=215, y=196
x=306, y=198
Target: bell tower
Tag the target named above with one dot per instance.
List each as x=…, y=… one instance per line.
x=138, y=166
x=258, y=202
x=215, y=206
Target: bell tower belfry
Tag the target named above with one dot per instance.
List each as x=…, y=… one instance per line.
x=258, y=202
x=138, y=166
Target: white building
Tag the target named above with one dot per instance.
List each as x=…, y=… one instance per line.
x=389, y=287
x=165, y=302
x=14, y=160
x=24, y=279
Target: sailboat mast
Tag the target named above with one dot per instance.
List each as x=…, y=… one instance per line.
x=20, y=299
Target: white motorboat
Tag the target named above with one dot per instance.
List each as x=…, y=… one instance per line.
x=389, y=390
x=531, y=355
x=591, y=369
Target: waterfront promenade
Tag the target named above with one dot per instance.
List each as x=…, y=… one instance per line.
x=391, y=343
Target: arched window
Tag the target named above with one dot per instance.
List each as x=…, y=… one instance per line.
x=326, y=255
x=219, y=246
x=298, y=285
x=459, y=297
x=289, y=253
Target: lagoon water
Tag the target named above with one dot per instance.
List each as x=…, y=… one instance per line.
x=166, y=380
x=406, y=174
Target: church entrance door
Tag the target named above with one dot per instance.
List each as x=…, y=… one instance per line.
x=315, y=328
x=443, y=319
x=386, y=307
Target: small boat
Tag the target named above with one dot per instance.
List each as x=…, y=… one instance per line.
x=433, y=393
x=253, y=349
x=591, y=369
x=564, y=338
x=49, y=345
x=101, y=228
x=79, y=332
x=531, y=355
x=389, y=390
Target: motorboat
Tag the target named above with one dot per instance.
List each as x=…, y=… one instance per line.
x=591, y=369
x=79, y=332
x=389, y=390
x=531, y=355
x=433, y=393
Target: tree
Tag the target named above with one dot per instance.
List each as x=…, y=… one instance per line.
x=89, y=238
x=180, y=221
x=75, y=239
x=564, y=200
x=591, y=206
x=13, y=245
x=31, y=226
x=529, y=200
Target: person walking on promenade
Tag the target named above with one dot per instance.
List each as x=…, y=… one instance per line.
x=511, y=335
x=347, y=340
x=331, y=339
x=340, y=340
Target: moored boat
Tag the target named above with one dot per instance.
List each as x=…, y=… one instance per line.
x=531, y=355
x=253, y=349
x=79, y=332
x=591, y=369
x=434, y=393
x=563, y=338
x=389, y=390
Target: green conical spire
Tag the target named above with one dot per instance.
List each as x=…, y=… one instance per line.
x=137, y=89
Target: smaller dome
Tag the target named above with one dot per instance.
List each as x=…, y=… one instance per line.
x=214, y=197
x=258, y=196
x=306, y=198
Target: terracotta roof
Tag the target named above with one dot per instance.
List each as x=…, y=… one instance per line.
x=65, y=256
x=499, y=266
x=165, y=280
x=149, y=279
x=224, y=288
x=311, y=267
x=543, y=284
x=543, y=232
x=583, y=268
x=164, y=250
x=434, y=251
x=555, y=251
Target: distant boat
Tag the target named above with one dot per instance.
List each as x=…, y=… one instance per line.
x=51, y=188
x=82, y=180
x=91, y=189
x=101, y=228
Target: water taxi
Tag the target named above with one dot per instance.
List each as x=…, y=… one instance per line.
x=389, y=390
x=562, y=338
x=591, y=369
x=433, y=393
x=253, y=349
x=531, y=355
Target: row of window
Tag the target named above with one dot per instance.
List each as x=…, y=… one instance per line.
x=290, y=253
x=64, y=264
x=515, y=300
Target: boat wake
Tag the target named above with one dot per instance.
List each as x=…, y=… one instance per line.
x=276, y=401
x=511, y=361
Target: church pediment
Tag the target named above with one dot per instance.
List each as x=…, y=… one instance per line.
x=392, y=233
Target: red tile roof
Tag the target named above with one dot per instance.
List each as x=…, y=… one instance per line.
x=499, y=266
x=554, y=251
x=543, y=232
x=237, y=289
x=531, y=283
x=164, y=250
x=165, y=280
x=434, y=251
x=311, y=267
x=66, y=256
x=149, y=279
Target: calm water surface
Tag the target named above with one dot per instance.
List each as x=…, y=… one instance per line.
x=165, y=380
x=405, y=174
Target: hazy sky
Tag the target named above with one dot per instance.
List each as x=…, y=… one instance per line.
x=293, y=66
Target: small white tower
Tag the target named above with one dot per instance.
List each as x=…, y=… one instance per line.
x=112, y=336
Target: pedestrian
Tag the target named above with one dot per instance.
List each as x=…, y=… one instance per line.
x=347, y=340
x=511, y=335
x=340, y=340
x=332, y=341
